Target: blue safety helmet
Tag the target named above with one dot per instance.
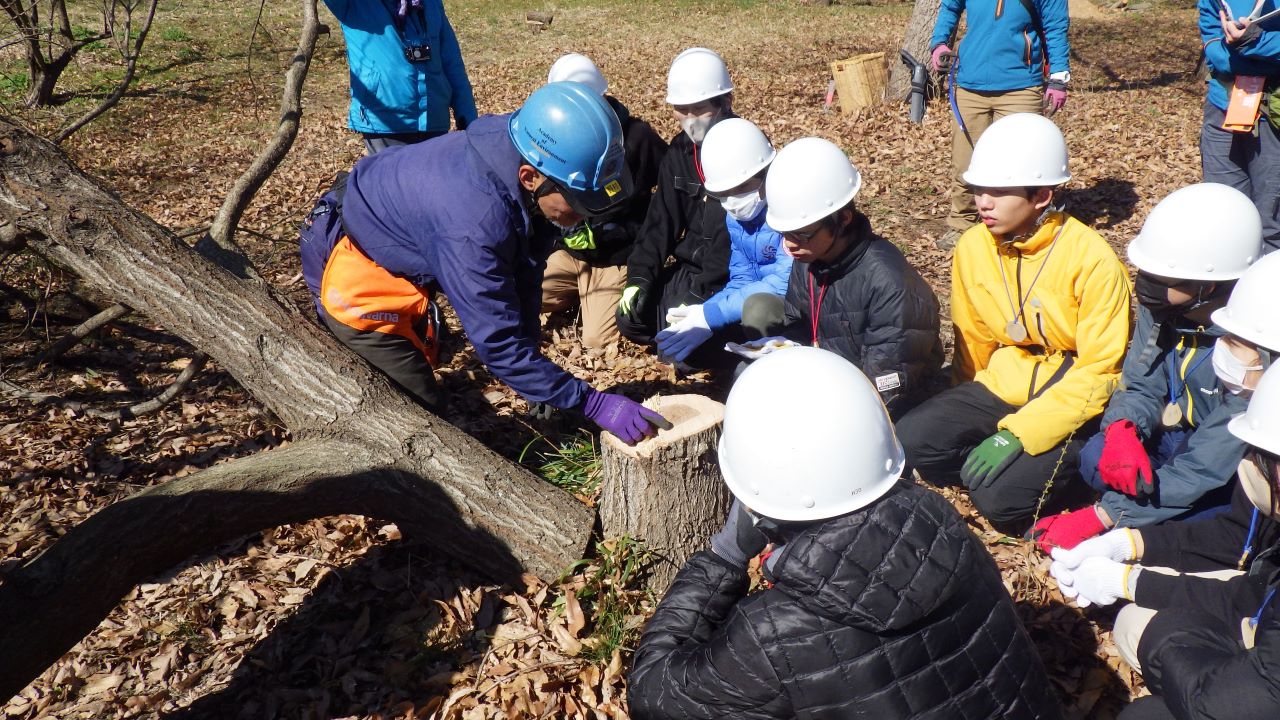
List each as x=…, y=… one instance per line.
x=567, y=132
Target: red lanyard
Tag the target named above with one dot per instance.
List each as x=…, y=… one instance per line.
x=815, y=308
x=697, y=165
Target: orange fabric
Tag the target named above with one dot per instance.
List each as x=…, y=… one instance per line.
x=1245, y=103
x=360, y=294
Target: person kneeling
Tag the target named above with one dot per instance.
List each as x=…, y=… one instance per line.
x=882, y=603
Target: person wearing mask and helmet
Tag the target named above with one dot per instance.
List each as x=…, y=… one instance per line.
x=589, y=266
x=880, y=601
x=681, y=256
x=1252, y=328
x=851, y=291
x=455, y=215
x=735, y=160
x=1040, y=305
x=1206, y=640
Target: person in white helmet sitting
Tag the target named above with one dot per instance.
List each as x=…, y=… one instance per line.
x=851, y=291
x=1040, y=305
x=881, y=602
x=589, y=265
x=735, y=159
x=1164, y=450
x=1207, y=643
x=681, y=256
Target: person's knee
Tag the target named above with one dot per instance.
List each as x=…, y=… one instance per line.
x=1131, y=622
x=1008, y=512
x=763, y=313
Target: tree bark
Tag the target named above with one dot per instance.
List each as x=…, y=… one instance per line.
x=403, y=461
x=667, y=491
x=916, y=41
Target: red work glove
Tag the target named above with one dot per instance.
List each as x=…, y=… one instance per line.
x=1066, y=530
x=1125, y=465
x=936, y=57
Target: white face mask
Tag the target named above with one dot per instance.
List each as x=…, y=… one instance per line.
x=1253, y=481
x=744, y=207
x=1231, y=370
x=696, y=127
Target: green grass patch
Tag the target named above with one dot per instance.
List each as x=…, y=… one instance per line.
x=608, y=589
x=572, y=465
x=175, y=34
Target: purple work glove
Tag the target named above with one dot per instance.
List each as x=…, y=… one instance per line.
x=1055, y=96
x=936, y=58
x=622, y=416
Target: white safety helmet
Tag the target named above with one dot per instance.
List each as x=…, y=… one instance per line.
x=1019, y=150
x=1259, y=425
x=806, y=437
x=733, y=152
x=810, y=179
x=1205, y=231
x=579, y=68
x=697, y=74
x=1251, y=311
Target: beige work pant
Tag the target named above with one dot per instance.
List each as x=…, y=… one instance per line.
x=596, y=289
x=979, y=110
x=1133, y=619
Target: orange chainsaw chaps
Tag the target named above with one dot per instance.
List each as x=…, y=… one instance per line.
x=360, y=294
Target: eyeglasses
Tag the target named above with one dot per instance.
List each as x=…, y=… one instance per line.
x=804, y=236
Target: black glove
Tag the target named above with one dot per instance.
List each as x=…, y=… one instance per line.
x=739, y=540
x=1251, y=34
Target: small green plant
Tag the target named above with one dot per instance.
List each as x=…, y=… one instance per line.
x=13, y=83
x=607, y=587
x=80, y=32
x=175, y=34
x=573, y=465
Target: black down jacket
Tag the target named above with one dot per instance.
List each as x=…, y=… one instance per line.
x=874, y=310
x=892, y=611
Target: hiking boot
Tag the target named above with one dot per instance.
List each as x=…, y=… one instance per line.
x=948, y=240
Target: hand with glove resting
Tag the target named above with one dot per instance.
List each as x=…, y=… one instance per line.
x=1055, y=97
x=1121, y=545
x=1066, y=530
x=988, y=460
x=622, y=416
x=1125, y=465
x=688, y=330
x=936, y=58
x=632, y=303
x=739, y=540
x=1095, y=581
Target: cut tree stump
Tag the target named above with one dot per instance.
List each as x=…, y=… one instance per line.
x=667, y=490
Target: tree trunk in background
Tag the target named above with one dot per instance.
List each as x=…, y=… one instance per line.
x=916, y=42
x=667, y=491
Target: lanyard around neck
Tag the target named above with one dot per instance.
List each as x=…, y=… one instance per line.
x=1017, y=310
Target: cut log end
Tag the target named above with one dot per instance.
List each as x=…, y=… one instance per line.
x=688, y=414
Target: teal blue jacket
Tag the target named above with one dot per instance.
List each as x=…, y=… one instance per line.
x=1261, y=57
x=1001, y=49
x=389, y=94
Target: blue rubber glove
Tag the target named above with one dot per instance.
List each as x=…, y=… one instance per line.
x=622, y=416
x=688, y=330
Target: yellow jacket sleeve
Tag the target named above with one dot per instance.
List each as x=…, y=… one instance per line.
x=974, y=342
x=1102, y=333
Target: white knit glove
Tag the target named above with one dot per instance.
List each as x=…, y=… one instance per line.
x=1097, y=581
x=1119, y=545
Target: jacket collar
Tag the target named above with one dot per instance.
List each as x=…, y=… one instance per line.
x=1037, y=241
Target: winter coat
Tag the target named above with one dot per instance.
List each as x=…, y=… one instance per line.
x=874, y=310
x=1076, y=310
x=683, y=223
x=1260, y=57
x=615, y=232
x=892, y=611
x=1230, y=539
x=1001, y=49
x=1155, y=355
x=757, y=264
x=390, y=94
x=449, y=214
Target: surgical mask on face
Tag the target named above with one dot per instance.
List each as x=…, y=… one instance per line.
x=743, y=207
x=1257, y=480
x=1231, y=370
x=696, y=127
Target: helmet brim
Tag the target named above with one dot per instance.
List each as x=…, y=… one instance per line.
x=594, y=203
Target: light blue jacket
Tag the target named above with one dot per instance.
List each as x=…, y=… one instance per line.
x=757, y=264
x=389, y=94
x=1001, y=49
x=1260, y=57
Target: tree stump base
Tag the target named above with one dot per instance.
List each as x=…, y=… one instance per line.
x=667, y=491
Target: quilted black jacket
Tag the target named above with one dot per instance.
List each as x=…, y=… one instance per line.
x=875, y=311
x=893, y=611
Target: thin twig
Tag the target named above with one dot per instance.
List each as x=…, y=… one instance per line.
x=80, y=332
x=133, y=411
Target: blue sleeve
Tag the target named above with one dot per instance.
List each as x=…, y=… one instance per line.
x=477, y=275
x=463, y=101
x=1208, y=462
x=340, y=9
x=1144, y=385
x=1053, y=15
x=1260, y=57
x=725, y=307
x=948, y=18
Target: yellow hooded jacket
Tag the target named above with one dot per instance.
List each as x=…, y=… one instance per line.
x=1076, y=302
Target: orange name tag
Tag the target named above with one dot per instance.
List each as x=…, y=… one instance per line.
x=1245, y=103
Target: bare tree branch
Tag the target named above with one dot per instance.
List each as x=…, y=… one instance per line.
x=80, y=332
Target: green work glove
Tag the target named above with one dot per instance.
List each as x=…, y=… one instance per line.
x=989, y=459
x=580, y=238
x=632, y=299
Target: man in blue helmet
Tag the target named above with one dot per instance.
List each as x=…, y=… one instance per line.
x=456, y=215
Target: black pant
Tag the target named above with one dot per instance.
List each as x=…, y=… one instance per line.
x=939, y=434
x=1151, y=707
x=398, y=359
x=673, y=289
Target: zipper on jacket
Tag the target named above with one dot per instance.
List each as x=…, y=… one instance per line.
x=999, y=8
x=1027, y=39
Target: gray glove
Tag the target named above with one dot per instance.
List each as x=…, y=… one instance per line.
x=739, y=540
